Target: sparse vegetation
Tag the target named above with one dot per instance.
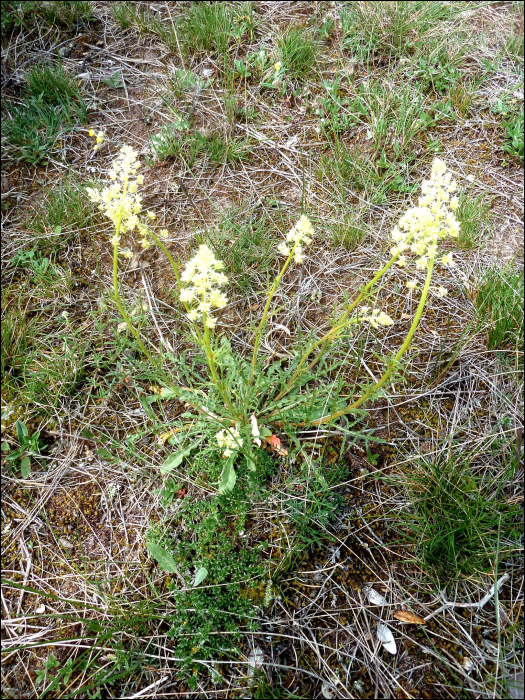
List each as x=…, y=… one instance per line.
x=134, y=564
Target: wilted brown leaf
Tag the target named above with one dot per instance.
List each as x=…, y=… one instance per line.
x=275, y=445
x=409, y=618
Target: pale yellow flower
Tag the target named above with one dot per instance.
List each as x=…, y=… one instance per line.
x=300, y=234
x=229, y=439
x=421, y=228
x=375, y=318
x=412, y=284
x=203, y=278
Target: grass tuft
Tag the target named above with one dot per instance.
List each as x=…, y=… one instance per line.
x=298, y=49
x=460, y=520
x=499, y=300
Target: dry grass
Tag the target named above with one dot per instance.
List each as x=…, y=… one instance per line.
x=74, y=531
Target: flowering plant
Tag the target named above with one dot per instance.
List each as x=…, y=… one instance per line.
x=246, y=399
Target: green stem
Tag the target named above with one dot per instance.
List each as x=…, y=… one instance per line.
x=328, y=337
x=394, y=362
x=211, y=364
x=117, y=296
x=265, y=314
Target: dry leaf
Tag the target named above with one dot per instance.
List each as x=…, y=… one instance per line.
x=406, y=316
x=254, y=307
x=328, y=691
x=409, y=618
x=275, y=445
x=374, y=597
x=164, y=437
x=255, y=661
x=467, y=663
x=386, y=638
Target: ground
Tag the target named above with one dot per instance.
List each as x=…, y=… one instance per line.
x=374, y=556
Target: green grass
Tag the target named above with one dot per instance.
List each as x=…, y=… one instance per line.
x=129, y=14
x=65, y=211
x=499, y=301
x=31, y=131
x=202, y=27
x=53, y=85
x=51, y=106
x=438, y=74
x=391, y=30
x=514, y=43
x=376, y=177
x=297, y=49
x=514, y=133
x=474, y=215
x=173, y=140
x=40, y=369
x=346, y=230
x=62, y=14
x=206, y=26
x=460, y=521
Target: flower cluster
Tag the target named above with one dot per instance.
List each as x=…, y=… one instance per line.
x=204, y=279
x=99, y=138
x=374, y=317
x=230, y=440
x=300, y=234
x=120, y=201
x=421, y=228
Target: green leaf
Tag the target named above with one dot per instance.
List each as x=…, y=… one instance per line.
x=21, y=430
x=174, y=460
x=228, y=476
x=250, y=462
x=25, y=467
x=58, y=229
x=166, y=393
x=5, y=446
x=200, y=576
x=68, y=670
x=15, y=455
x=105, y=454
x=162, y=556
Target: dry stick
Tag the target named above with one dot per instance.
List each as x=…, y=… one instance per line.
x=165, y=342
x=176, y=36
x=480, y=604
